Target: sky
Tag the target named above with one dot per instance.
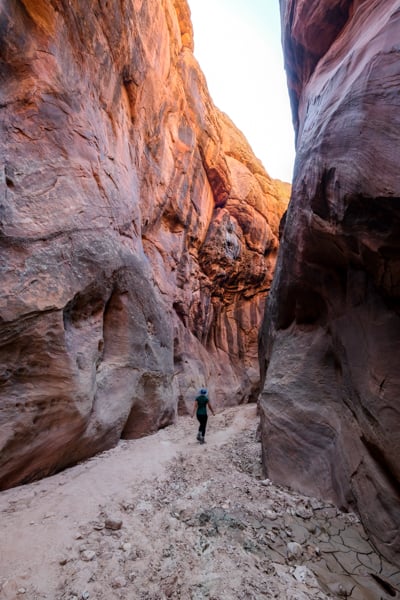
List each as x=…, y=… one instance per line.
x=237, y=44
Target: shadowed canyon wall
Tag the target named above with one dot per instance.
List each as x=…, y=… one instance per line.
x=138, y=231
x=330, y=345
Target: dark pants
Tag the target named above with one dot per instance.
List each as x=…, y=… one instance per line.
x=202, y=419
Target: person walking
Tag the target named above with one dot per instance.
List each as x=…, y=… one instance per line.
x=200, y=408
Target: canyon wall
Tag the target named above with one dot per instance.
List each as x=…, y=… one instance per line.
x=330, y=345
x=138, y=232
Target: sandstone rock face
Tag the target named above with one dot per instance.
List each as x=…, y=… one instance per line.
x=138, y=231
x=331, y=341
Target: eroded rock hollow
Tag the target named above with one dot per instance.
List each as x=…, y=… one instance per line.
x=331, y=339
x=138, y=231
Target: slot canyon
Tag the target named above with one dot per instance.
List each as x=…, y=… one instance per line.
x=146, y=252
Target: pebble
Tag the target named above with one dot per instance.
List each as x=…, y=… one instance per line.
x=288, y=532
x=88, y=555
x=272, y=516
x=304, y=513
x=113, y=523
x=339, y=590
x=294, y=550
x=300, y=573
x=119, y=582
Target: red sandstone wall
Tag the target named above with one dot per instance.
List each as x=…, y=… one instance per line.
x=138, y=232
x=331, y=339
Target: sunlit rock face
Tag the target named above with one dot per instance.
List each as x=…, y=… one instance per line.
x=138, y=231
x=331, y=339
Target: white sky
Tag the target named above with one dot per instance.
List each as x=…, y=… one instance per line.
x=237, y=43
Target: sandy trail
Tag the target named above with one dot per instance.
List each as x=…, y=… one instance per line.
x=165, y=517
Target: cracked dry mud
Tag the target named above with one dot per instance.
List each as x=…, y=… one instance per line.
x=164, y=517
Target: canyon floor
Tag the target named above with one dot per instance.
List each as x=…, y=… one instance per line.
x=165, y=517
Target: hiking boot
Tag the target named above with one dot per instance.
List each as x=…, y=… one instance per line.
x=199, y=436
x=202, y=440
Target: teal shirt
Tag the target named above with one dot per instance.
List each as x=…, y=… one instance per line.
x=202, y=401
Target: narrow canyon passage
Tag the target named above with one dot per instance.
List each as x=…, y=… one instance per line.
x=164, y=517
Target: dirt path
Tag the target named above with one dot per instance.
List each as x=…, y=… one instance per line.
x=164, y=517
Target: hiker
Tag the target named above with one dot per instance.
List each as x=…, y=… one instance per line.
x=200, y=407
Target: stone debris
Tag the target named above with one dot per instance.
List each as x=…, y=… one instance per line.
x=207, y=530
x=276, y=540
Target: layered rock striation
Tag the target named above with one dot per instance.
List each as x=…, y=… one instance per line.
x=330, y=345
x=138, y=231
